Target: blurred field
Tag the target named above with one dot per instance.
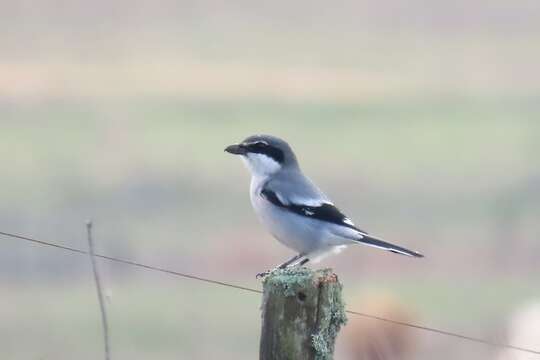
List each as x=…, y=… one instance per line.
x=419, y=119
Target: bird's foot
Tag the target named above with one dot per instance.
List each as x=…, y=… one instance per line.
x=262, y=274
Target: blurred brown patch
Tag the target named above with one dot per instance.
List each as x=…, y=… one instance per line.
x=370, y=339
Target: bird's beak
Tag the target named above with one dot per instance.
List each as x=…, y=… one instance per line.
x=236, y=149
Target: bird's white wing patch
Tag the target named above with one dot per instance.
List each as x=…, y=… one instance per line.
x=300, y=201
x=313, y=202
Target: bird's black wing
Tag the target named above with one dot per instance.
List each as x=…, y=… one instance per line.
x=324, y=212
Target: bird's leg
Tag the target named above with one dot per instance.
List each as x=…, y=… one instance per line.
x=290, y=261
x=304, y=261
x=282, y=266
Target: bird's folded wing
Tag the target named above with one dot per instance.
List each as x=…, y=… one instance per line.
x=314, y=209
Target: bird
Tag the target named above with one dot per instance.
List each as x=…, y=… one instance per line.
x=293, y=209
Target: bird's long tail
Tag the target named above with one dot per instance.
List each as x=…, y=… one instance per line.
x=380, y=244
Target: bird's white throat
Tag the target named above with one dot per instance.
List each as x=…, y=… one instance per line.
x=261, y=165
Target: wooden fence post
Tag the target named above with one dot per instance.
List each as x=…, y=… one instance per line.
x=302, y=312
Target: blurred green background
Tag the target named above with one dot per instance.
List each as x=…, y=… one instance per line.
x=419, y=118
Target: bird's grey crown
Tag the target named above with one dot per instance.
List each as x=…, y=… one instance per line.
x=274, y=147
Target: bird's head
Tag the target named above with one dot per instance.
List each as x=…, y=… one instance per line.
x=264, y=154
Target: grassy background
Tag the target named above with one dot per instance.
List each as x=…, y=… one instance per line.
x=419, y=120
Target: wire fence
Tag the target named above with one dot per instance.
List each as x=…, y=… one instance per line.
x=257, y=291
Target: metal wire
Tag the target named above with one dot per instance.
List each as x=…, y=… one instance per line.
x=444, y=332
x=132, y=263
x=244, y=288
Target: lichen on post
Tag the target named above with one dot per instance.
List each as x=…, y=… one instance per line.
x=302, y=313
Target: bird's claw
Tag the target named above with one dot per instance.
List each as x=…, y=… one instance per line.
x=262, y=274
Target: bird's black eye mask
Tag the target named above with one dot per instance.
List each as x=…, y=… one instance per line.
x=262, y=147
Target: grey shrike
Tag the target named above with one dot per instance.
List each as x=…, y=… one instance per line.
x=293, y=209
